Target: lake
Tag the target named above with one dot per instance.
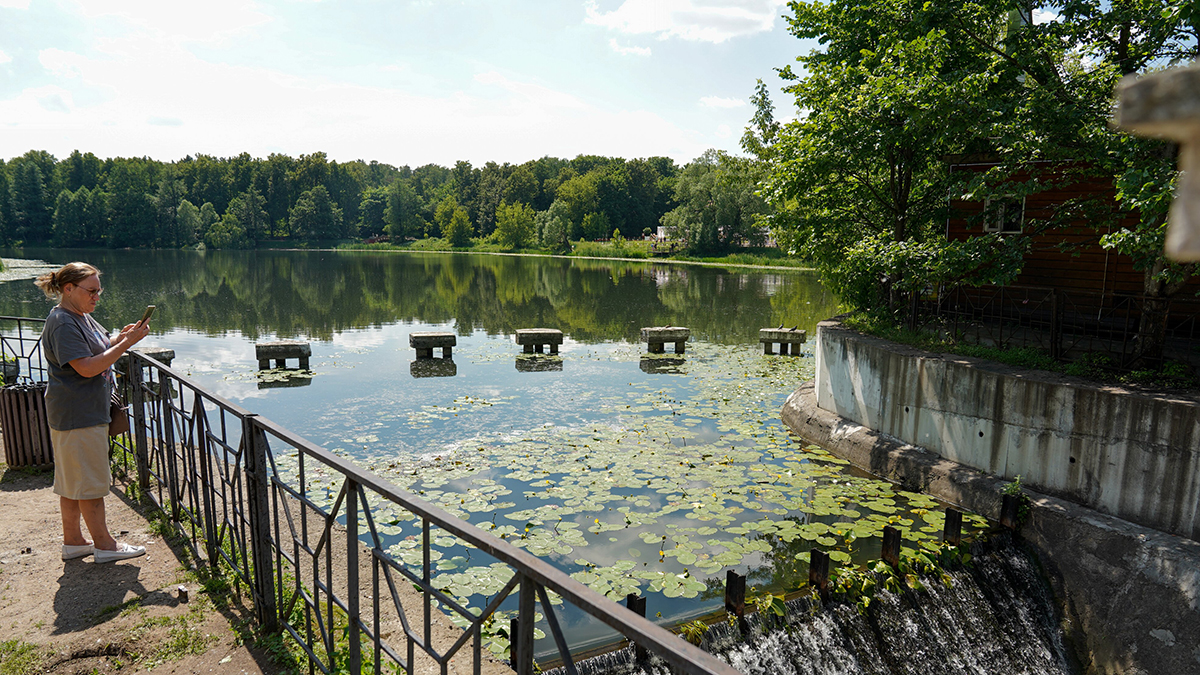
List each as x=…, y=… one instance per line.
x=633, y=472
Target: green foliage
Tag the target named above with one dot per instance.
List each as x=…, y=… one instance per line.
x=866, y=266
x=403, y=211
x=719, y=205
x=454, y=222
x=1023, y=505
x=250, y=209
x=553, y=227
x=595, y=226
x=515, y=226
x=315, y=216
x=226, y=233
x=611, y=249
x=896, y=85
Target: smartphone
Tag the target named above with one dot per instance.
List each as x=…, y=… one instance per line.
x=147, y=314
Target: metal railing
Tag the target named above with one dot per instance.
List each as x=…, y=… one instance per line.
x=303, y=529
x=21, y=359
x=1060, y=323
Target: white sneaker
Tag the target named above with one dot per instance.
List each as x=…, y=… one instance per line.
x=123, y=552
x=73, y=552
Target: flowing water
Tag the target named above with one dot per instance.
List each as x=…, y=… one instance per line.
x=995, y=616
x=633, y=472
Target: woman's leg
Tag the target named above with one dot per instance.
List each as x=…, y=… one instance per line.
x=72, y=534
x=93, y=515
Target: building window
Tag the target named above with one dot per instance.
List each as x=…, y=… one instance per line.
x=1006, y=214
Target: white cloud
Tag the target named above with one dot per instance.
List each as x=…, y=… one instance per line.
x=721, y=102
x=212, y=21
x=697, y=20
x=14, y=4
x=723, y=131
x=4, y=58
x=628, y=51
x=1041, y=16
x=156, y=98
x=61, y=63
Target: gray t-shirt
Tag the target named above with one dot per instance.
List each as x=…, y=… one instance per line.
x=74, y=401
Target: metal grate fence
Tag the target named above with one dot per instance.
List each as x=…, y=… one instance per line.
x=304, y=530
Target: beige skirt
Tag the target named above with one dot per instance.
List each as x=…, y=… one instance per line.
x=81, y=462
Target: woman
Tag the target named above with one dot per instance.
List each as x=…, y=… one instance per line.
x=80, y=358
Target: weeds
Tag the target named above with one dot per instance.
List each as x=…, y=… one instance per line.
x=1023, y=504
x=19, y=658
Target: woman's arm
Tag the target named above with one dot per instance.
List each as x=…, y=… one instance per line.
x=91, y=366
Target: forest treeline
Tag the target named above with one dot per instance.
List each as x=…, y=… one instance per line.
x=237, y=202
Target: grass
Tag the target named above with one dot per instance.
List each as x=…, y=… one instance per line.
x=19, y=658
x=629, y=249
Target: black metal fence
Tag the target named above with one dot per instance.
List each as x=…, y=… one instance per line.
x=1061, y=323
x=21, y=360
x=302, y=529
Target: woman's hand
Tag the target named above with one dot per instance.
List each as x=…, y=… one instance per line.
x=133, y=333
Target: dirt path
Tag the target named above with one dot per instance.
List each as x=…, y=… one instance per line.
x=68, y=617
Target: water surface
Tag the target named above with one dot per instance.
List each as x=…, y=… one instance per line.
x=634, y=473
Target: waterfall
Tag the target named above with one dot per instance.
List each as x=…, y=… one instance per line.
x=997, y=617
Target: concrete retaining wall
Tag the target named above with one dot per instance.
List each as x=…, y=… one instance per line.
x=1123, y=453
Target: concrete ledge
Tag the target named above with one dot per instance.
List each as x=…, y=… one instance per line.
x=1130, y=595
x=1131, y=454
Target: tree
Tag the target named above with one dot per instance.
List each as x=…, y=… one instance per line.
x=250, y=209
x=372, y=212
x=454, y=222
x=188, y=218
x=402, y=212
x=578, y=195
x=553, y=226
x=80, y=170
x=32, y=213
x=595, y=225
x=889, y=93
x=166, y=200
x=208, y=218
x=226, y=233
x=315, y=216
x=68, y=218
x=718, y=203
x=132, y=212
x=515, y=227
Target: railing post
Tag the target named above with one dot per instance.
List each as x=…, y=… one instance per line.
x=133, y=375
x=1055, y=325
x=525, y=626
x=254, y=452
x=352, y=588
x=167, y=425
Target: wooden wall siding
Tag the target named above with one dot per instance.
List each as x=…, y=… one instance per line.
x=1085, y=266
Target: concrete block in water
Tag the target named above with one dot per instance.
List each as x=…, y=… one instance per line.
x=533, y=339
x=161, y=354
x=280, y=351
x=788, y=339
x=656, y=337
x=426, y=341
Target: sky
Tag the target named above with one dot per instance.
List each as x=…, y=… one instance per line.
x=399, y=82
